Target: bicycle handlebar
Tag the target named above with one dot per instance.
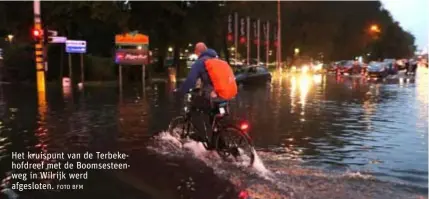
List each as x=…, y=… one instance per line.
x=194, y=90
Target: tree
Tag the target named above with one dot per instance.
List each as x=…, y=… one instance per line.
x=338, y=30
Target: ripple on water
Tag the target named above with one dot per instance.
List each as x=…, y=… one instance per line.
x=280, y=178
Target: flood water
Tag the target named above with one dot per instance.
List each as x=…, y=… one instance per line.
x=317, y=136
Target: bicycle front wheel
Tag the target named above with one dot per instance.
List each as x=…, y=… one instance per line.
x=179, y=127
x=233, y=143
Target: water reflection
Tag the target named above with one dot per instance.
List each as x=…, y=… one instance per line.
x=353, y=124
x=42, y=132
x=304, y=85
x=292, y=93
x=422, y=85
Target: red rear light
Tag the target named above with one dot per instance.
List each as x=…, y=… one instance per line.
x=244, y=126
x=243, y=195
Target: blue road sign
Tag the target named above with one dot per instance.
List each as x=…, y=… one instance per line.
x=75, y=46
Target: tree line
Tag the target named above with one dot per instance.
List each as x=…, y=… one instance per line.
x=338, y=30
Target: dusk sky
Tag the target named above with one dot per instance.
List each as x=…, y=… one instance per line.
x=413, y=16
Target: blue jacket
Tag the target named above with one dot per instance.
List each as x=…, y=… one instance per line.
x=198, y=70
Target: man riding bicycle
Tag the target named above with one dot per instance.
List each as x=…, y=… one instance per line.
x=198, y=71
x=217, y=79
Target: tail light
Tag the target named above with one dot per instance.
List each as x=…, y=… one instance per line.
x=243, y=195
x=244, y=126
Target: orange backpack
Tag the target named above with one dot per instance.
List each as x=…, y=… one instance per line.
x=222, y=77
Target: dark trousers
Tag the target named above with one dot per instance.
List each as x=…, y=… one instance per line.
x=208, y=105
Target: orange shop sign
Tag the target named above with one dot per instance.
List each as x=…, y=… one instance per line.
x=131, y=39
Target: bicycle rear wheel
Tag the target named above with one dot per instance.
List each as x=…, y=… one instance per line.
x=233, y=143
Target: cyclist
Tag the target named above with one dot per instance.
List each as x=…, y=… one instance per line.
x=198, y=71
x=217, y=79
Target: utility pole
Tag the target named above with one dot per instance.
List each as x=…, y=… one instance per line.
x=268, y=43
x=248, y=40
x=279, y=36
x=236, y=36
x=258, y=43
x=40, y=68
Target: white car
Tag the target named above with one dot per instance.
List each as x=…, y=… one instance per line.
x=234, y=62
x=191, y=59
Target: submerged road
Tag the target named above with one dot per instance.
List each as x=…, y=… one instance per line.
x=317, y=136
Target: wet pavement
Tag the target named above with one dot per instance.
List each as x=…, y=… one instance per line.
x=317, y=136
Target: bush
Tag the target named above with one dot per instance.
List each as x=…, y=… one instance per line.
x=18, y=62
x=99, y=68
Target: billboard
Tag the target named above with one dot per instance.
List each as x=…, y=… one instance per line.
x=132, y=56
x=129, y=39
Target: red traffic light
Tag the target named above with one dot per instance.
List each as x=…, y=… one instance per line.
x=37, y=33
x=242, y=40
x=229, y=37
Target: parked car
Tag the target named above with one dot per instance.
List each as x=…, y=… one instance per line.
x=346, y=67
x=317, y=67
x=352, y=67
x=255, y=62
x=401, y=64
x=392, y=67
x=411, y=67
x=301, y=64
x=191, y=59
x=252, y=75
x=335, y=66
x=234, y=62
x=377, y=70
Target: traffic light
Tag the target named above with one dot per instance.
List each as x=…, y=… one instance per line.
x=37, y=34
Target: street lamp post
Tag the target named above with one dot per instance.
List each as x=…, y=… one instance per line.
x=374, y=33
x=279, y=36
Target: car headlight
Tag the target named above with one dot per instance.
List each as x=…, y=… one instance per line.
x=318, y=67
x=304, y=68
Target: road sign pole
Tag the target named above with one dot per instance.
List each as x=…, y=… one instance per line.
x=248, y=41
x=82, y=70
x=62, y=64
x=120, y=79
x=70, y=69
x=268, y=43
x=258, y=50
x=143, y=78
x=236, y=36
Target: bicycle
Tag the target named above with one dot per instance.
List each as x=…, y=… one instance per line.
x=223, y=130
